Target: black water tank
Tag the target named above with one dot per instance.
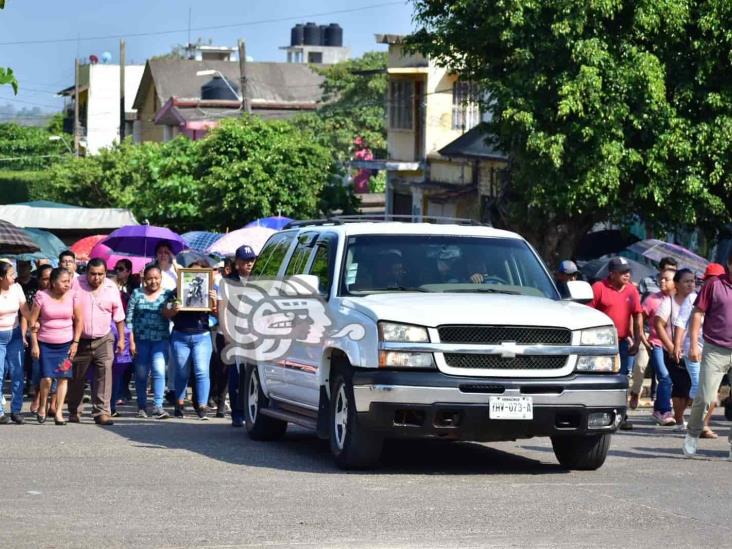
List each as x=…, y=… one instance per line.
x=312, y=35
x=297, y=35
x=323, y=29
x=216, y=88
x=333, y=35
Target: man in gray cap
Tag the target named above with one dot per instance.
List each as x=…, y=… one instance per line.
x=567, y=272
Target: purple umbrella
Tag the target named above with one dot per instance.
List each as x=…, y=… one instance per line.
x=655, y=250
x=277, y=222
x=141, y=240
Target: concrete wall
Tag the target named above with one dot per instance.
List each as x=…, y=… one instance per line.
x=103, y=116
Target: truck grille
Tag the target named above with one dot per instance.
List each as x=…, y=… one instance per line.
x=496, y=362
x=523, y=335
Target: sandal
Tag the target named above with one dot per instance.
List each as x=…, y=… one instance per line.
x=40, y=418
x=708, y=433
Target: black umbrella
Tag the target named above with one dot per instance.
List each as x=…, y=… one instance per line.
x=14, y=240
x=597, y=269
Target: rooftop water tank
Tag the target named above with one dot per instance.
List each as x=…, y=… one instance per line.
x=297, y=35
x=333, y=36
x=216, y=88
x=312, y=35
x=322, y=29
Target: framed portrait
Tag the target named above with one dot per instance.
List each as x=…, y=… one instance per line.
x=194, y=286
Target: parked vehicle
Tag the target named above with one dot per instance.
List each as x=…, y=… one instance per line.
x=463, y=336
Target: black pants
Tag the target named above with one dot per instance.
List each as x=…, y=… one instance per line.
x=219, y=372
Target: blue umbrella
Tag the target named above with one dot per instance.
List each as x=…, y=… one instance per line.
x=276, y=222
x=50, y=246
x=200, y=240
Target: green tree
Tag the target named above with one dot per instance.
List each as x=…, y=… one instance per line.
x=607, y=108
x=27, y=148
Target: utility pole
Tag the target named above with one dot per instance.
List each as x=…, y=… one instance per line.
x=122, y=119
x=243, y=86
x=77, y=129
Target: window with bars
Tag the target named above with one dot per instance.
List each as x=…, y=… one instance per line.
x=401, y=104
x=465, y=105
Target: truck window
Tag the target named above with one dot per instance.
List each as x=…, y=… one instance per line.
x=321, y=266
x=300, y=256
x=272, y=255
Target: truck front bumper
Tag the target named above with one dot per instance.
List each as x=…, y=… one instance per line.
x=432, y=404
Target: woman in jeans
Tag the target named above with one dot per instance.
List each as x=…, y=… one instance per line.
x=12, y=349
x=191, y=345
x=56, y=340
x=664, y=322
x=148, y=319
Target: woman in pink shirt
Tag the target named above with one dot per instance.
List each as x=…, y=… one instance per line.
x=12, y=301
x=56, y=340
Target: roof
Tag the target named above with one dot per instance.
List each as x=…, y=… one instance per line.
x=389, y=38
x=472, y=144
x=45, y=204
x=65, y=217
x=391, y=227
x=281, y=83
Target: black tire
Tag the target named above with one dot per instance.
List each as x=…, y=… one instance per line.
x=581, y=452
x=353, y=446
x=259, y=427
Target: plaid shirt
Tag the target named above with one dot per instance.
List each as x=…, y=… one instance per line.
x=145, y=318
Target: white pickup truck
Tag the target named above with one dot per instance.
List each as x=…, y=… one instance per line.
x=430, y=330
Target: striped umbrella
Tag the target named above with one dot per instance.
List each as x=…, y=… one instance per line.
x=200, y=240
x=14, y=240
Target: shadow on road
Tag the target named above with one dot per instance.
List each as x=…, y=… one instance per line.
x=301, y=450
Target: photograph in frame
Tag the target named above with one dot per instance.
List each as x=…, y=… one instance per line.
x=194, y=286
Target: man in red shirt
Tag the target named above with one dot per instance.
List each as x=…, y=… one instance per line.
x=618, y=298
x=714, y=304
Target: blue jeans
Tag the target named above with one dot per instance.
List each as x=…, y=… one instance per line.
x=195, y=349
x=663, y=391
x=626, y=361
x=693, y=368
x=11, y=361
x=151, y=357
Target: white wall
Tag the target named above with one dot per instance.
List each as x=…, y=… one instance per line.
x=103, y=114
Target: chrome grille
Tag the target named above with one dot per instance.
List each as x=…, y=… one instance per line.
x=522, y=335
x=497, y=362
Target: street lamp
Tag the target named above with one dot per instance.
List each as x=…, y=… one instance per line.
x=60, y=138
x=214, y=72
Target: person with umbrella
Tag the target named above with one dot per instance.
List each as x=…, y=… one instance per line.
x=12, y=302
x=164, y=259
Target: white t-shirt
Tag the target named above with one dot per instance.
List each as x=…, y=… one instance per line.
x=169, y=279
x=10, y=303
x=682, y=321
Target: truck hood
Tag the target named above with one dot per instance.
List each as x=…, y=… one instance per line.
x=434, y=309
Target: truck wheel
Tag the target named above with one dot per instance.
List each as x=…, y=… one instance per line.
x=259, y=427
x=353, y=446
x=584, y=453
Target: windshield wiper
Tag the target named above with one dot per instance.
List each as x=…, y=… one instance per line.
x=399, y=288
x=482, y=290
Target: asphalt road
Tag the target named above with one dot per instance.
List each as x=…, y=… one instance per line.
x=184, y=483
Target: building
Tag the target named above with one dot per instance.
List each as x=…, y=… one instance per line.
x=191, y=96
x=438, y=162
x=316, y=44
x=99, y=104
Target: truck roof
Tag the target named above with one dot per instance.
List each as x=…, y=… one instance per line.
x=391, y=227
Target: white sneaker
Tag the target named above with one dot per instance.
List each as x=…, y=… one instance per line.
x=141, y=414
x=689, y=446
x=680, y=427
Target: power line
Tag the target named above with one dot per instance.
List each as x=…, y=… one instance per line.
x=212, y=27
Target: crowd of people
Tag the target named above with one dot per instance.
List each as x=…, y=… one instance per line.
x=61, y=331
x=684, y=335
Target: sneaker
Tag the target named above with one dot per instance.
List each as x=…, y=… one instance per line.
x=4, y=420
x=668, y=419
x=179, y=411
x=202, y=413
x=689, y=446
x=159, y=413
x=17, y=419
x=633, y=404
x=664, y=419
x=115, y=414
x=142, y=414
x=680, y=427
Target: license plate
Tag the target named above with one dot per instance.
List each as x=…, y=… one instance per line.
x=505, y=407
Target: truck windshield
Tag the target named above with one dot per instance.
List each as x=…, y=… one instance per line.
x=438, y=263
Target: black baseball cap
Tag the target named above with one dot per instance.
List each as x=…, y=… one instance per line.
x=619, y=265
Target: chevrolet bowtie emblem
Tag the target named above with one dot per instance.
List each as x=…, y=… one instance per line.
x=509, y=349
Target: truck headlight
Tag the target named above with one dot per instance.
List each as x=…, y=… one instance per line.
x=601, y=364
x=401, y=359
x=605, y=336
x=403, y=333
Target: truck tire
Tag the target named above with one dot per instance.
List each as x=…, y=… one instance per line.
x=353, y=446
x=581, y=452
x=259, y=427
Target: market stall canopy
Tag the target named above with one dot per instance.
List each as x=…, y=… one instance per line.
x=54, y=216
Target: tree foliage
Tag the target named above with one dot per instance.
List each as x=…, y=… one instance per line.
x=607, y=108
x=244, y=169
x=27, y=148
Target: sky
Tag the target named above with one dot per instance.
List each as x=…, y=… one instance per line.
x=85, y=27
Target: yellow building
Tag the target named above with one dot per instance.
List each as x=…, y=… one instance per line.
x=438, y=164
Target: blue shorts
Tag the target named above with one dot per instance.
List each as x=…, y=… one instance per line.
x=53, y=360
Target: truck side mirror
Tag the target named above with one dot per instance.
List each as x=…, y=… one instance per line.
x=579, y=291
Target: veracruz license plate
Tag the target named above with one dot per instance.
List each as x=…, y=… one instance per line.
x=508, y=407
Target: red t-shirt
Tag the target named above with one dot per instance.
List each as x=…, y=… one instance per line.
x=715, y=301
x=619, y=305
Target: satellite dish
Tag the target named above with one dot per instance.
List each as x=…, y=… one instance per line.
x=93, y=59
x=106, y=57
